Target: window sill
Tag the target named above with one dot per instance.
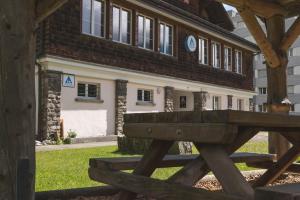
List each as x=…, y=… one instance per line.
x=139, y=103
x=87, y=100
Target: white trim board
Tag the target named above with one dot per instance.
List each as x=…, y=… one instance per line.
x=91, y=70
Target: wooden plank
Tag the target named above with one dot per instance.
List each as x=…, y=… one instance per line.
x=156, y=152
x=226, y=172
x=264, y=9
x=242, y=118
x=278, y=168
x=197, y=169
x=291, y=35
x=45, y=8
x=260, y=37
x=127, y=163
x=154, y=188
x=295, y=168
x=196, y=132
x=279, y=192
x=251, y=119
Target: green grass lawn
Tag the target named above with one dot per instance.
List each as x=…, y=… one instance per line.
x=68, y=168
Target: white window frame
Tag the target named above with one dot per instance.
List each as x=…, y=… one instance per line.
x=238, y=66
x=120, y=24
x=143, y=95
x=216, y=105
x=227, y=67
x=165, y=46
x=203, y=51
x=216, y=63
x=262, y=90
x=98, y=85
x=93, y=18
x=153, y=30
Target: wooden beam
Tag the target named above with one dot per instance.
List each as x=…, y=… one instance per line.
x=260, y=37
x=44, y=8
x=278, y=168
x=154, y=188
x=261, y=8
x=291, y=35
x=219, y=162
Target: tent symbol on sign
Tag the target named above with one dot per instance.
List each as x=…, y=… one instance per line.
x=68, y=81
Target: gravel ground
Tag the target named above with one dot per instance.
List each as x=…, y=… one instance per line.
x=213, y=185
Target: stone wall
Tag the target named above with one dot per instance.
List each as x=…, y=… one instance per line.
x=200, y=99
x=121, y=105
x=50, y=105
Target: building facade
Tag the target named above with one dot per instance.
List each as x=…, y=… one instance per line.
x=260, y=75
x=100, y=59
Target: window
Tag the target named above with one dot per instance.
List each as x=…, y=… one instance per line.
x=86, y=90
x=166, y=39
x=182, y=102
x=238, y=61
x=240, y=104
x=121, y=25
x=290, y=71
x=203, y=51
x=262, y=108
x=262, y=90
x=93, y=17
x=291, y=52
x=216, y=54
x=145, y=32
x=262, y=73
x=291, y=89
x=145, y=95
x=229, y=101
x=228, y=58
x=216, y=103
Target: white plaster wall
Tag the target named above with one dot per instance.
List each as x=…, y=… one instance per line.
x=189, y=101
x=158, y=99
x=297, y=107
x=89, y=119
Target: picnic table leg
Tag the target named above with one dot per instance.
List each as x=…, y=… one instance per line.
x=197, y=169
x=156, y=152
x=279, y=167
x=226, y=172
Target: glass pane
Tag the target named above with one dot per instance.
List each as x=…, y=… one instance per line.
x=140, y=31
x=140, y=95
x=125, y=27
x=92, y=90
x=147, y=95
x=97, y=18
x=116, y=24
x=169, y=40
x=86, y=16
x=162, y=38
x=81, y=90
x=149, y=34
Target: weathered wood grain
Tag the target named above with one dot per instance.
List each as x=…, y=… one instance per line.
x=154, y=188
x=156, y=152
x=128, y=163
x=226, y=172
x=295, y=168
x=197, y=132
x=280, y=192
x=279, y=167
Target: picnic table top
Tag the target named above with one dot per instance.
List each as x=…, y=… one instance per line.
x=240, y=118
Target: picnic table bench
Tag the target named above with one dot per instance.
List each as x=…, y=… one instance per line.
x=216, y=135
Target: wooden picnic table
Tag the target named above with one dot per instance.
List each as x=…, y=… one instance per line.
x=216, y=135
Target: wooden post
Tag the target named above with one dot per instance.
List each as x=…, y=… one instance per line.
x=277, y=81
x=17, y=98
x=18, y=20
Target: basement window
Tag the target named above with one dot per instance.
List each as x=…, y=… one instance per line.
x=88, y=92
